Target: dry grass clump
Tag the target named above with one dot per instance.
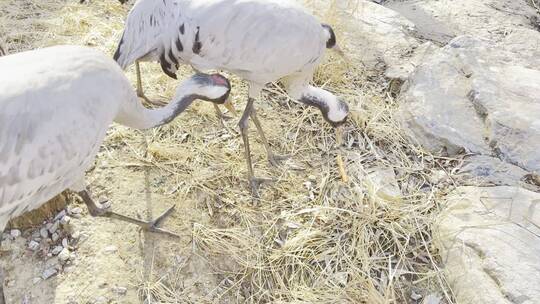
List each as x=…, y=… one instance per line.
x=310, y=238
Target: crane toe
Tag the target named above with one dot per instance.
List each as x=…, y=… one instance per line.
x=256, y=182
x=277, y=160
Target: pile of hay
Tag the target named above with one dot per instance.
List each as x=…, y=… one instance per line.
x=310, y=238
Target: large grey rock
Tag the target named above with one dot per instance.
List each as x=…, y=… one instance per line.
x=378, y=37
x=478, y=96
x=489, y=239
x=483, y=170
x=444, y=19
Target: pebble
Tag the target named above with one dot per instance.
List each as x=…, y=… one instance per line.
x=64, y=255
x=36, y=280
x=101, y=300
x=33, y=245
x=15, y=233
x=55, y=237
x=65, y=220
x=56, y=250
x=76, y=235
x=119, y=290
x=60, y=215
x=65, y=242
x=49, y=272
x=44, y=232
x=415, y=296
x=54, y=227
x=110, y=249
x=76, y=210
x=6, y=244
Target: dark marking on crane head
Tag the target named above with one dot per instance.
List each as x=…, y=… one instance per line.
x=213, y=80
x=331, y=42
x=182, y=29
x=197, y=45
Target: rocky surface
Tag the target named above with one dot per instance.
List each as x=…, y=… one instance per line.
x=476, y=96
x=379, y=37
x=479, y=94
x=443, y=20
x=490, y=244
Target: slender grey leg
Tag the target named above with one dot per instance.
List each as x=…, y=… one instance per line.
x=146, y=225
x=243, y=124
x=140, y=92
x=221, y=117
x=272, y=158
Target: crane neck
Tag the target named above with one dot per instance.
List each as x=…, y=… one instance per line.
x=133, y=114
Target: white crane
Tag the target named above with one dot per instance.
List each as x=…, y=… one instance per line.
x=57, y=104
x=259, y=40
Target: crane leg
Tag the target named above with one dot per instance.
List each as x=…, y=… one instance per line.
x=275, y=160
x=222, y=117
x=254, y=182
x=140, y=92
x=150, y=226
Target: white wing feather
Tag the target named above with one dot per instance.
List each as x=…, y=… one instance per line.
x=47, y=139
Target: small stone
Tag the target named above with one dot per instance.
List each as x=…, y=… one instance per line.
x=415, y=296
x=6, y=244
x=76, y=210
x=65, y=220
x=312, y=178
x=56, y=250
x=36, y=280
x=65, y=242
x=49, y=272
x=15, y=233
x=119, y=290
x=64, y=256
x=101, y=300
x=76, y=235
x=33, y=245
x=110, y=249
x=55, y=237
x=44, y=232
x=54, y=227
x=60, y=215
x=35, y=235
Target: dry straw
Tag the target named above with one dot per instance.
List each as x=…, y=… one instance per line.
x=311, y=238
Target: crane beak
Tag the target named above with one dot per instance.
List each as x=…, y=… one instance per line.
x=229, y=106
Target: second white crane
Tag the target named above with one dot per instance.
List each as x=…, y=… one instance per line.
x=259, y=40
